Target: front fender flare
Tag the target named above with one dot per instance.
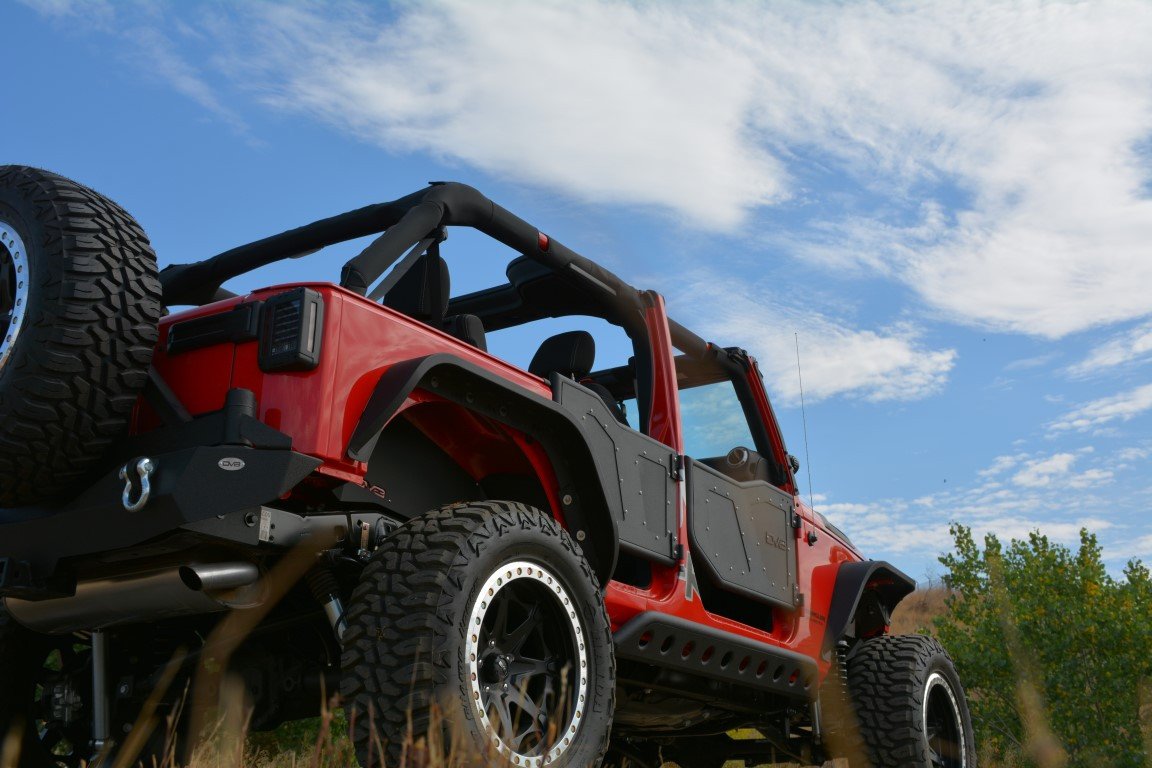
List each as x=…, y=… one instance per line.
x=852, y=580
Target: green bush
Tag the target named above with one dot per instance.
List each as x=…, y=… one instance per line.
x=1055, y=653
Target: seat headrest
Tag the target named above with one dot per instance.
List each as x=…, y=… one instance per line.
x=415, y=292
x=570, y=354
x=467, y=328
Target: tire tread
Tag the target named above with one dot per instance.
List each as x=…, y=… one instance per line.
x=885, y=677
x=67, y=397
x=406, y=592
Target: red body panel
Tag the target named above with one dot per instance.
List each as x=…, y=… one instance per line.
x=319, y=408
x=362, y=339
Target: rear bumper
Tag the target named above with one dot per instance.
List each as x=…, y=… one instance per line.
x=187, y=486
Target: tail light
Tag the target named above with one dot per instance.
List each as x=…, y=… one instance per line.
x=291, y=330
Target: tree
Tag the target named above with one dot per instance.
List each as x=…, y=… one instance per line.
x=1055, y=653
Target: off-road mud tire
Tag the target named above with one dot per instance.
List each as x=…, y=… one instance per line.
x=889, y=677
x=405, y=663
x=78, y=359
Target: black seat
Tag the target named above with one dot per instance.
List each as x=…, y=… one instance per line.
x=572, y=355
x=569, y=354
x=469, y=328
x=422, y=294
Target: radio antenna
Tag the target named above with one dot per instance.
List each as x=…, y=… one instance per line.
x=804, y=419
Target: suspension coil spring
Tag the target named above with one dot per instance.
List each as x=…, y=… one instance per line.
x=325, y=588
x=322, y=582
x=836, y=697
x=842, y=671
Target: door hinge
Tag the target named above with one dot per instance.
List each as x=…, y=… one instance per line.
x=676, y=469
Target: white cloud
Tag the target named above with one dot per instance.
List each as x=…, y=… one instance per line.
x=160, y=56
x=1097, y=413
x=885, y=527
x=609, y=102
x=1002, y=464
x=1052, y=472
x=90, y=10
x=893, y=527
x=1027, y=363
x=876, y=365
x=890, y=364
x=987, y=155
x=140, y=26
x=1029, y=114
x=1041, y=472
x=1133, y=453
x=915, y=529
x=1130, y=347
x=1055, y=493
x=1090, y=478
x=1066, y=532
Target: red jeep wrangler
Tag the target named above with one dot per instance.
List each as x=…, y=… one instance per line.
x=504, y=561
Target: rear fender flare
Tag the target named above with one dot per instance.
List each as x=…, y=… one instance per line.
x=852, y=581
x=585, y=509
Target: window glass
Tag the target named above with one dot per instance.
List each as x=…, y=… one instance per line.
x=713, y=420
x=631, y=409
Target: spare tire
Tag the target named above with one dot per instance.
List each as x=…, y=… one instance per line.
x=79, y=307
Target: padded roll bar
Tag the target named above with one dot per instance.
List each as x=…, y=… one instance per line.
x=405, y=222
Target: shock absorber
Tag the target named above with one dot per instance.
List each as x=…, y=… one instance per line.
x=840, y=732
x=326, y=589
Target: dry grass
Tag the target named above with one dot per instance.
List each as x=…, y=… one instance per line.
x=916, y=614
x=225, y=741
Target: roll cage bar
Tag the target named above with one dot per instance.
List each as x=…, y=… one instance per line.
x=416, y=223
x=410, y=225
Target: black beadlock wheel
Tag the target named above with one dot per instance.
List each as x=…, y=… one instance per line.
x=46, y=702
x=910, y=705
x=481, y=630
x=79, y=307
x=45, y=698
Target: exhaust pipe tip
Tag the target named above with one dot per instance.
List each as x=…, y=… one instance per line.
x=144, y=596
x=190, y=578
x=218, y=576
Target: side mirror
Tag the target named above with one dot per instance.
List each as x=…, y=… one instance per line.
x=794, y=463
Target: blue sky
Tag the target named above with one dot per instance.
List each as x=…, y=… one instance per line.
x=949, y=204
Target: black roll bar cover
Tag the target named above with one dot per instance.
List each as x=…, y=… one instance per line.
x=405, y=222
x=463, y=206
x=360, y=273
x=196, y=283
